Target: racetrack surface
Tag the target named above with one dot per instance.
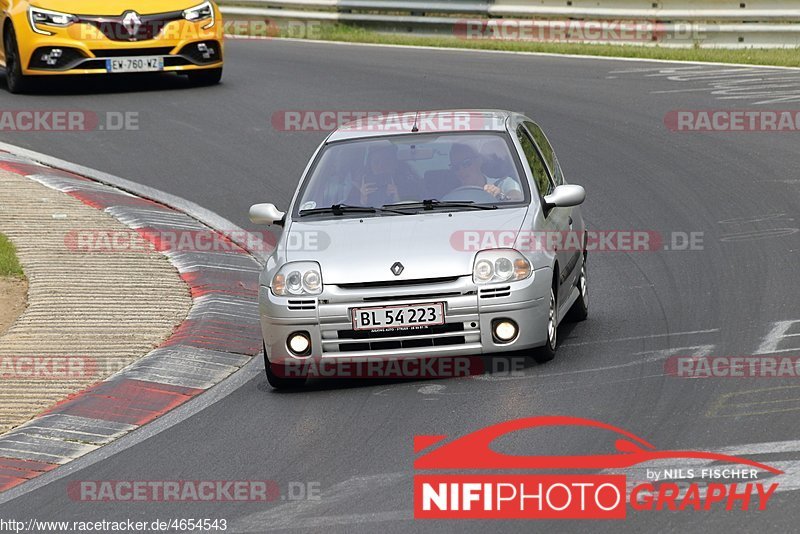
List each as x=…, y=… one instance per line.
x=217, y=147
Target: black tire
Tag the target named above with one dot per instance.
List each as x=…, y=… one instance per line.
x=277, y=376
x=205, y=77
x=580, y=309
x=17, y=82
x=548, y=352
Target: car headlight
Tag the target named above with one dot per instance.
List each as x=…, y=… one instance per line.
x=204, y=11
x=500, y=265
x=46, y=17
x=299, y=278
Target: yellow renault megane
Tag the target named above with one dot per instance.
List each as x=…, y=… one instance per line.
x=56, y=37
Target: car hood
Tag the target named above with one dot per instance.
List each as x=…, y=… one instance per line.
x=428, y=245
x=115, y=7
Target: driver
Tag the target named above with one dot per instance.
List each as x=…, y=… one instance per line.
x=468, y=166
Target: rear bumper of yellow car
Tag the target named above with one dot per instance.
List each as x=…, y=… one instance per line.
x=84, y=48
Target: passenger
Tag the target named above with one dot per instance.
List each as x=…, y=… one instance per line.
x=345, y=172
x=387, y=180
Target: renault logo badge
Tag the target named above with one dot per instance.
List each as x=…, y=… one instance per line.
x=131, y=21
x=398, y=268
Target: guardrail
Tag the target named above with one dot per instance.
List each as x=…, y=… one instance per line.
x=674, y=23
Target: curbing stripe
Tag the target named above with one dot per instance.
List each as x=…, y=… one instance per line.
x=155, y=218
x=71, y=183
x=214, y=262
x=219, y=336
x=216, y=335
x=22, y=446
x=70, y=427
x=207, y=285
x=14, y=471
x=121, y=400
x=25, y=169
x=181, y=366
x=190, y=261
x=102, y=201
x=153, y=235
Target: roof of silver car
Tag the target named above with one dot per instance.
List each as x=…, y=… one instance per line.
x=377, y=124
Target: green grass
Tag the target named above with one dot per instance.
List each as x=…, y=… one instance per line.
x=9, y=264
x=754, y=56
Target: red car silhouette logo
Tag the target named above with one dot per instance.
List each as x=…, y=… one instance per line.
x=473, y=451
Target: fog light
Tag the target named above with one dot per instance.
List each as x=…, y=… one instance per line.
x=505, y=330
x=299, y=344
x=52, y=57
x=206, y=51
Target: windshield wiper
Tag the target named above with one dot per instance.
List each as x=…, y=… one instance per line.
x=338, y=209
x=341, y=209
x=432, y=204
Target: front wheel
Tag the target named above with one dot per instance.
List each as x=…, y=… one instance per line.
x=548, y=352
x=205, y=77
x=16, y=81
x=580, y=310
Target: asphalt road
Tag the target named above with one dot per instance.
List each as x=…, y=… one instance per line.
x=217, y=147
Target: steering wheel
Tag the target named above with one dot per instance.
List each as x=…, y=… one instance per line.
x=468, y=193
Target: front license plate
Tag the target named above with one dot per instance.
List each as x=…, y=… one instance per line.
x=135, y=64
x=405, y=316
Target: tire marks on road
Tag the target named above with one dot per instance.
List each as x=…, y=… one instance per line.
x=759, y=86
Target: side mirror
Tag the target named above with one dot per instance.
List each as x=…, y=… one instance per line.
x=565, y=196
x=266, y=214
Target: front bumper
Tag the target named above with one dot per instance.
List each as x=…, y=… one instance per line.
x=85, y=49
x=469, y=314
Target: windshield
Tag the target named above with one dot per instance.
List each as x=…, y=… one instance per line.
x=452, y=170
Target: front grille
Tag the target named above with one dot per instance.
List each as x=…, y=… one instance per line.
x=175, y=61
x=422, y=296
x=120, y=29
x=393, y=345
x=428, y=336
x=462, y=321
x=422, y=330
x=396, y=283
x=495, y=292
x=133, y=52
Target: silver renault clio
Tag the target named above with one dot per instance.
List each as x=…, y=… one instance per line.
x=419, y=235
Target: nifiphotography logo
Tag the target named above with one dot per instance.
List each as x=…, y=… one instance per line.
x=485, y=492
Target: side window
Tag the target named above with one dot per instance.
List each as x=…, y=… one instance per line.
x=535, y=162
x=558, y=176
x=547, y=151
